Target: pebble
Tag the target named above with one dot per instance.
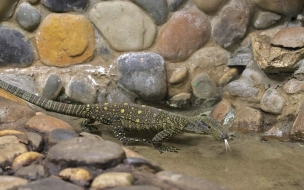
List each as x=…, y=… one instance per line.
x=233, y=20
x=26, y=159
x=196, y=29
x=289, y=37
x=60, y=46
x=265, y=20
x=51, y=183
x=209, y=5
x=293, y=86
x=143, y=74
x=28, y=17
x=66, y=5
x=178, y=76
x=228, y=76
x=52, y=87
x=180, y=100
x=203, y=86
x=285, y=7
x=11, y=182
x=15, y=48
x=58, y=135
x=130, y=36
x=112, y=179
x=158, y=9
x=35, y=141
x=272, y=101
x=78, y=176
x=86, y=152
x=46, y=124
x=32, y=172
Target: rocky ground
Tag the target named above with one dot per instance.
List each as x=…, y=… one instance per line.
x=41, y=152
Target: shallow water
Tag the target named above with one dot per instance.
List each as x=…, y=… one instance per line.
x=251, y=164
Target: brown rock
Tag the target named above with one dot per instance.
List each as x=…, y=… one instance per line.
x=248, y=119
x=112, y=179
x=293, y=86
x=286, y=7
x=297, y=130
x=231, y=24
x=228, y=76
x=209, y=5
x=178, y=76
x=46, y=124
x=12, y=97
x=11, y=182
x=184, y=33
x=221, y=110
x=274, y=59
x=78, y=176
x=25, y=159
x=65, y=39
x=289, y=37
x=212, y=60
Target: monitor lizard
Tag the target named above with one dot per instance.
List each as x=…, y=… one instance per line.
x=129, y=117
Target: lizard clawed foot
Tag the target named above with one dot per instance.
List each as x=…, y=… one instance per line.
x=161, y=148
x=87, y=125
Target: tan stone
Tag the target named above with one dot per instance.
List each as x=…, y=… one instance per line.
x=112, y=179
x=12, y=97
x=76, y=175
x=221, y=110
x=178, y=76
x=286, y=7
x=209, y=5
x=25, y=159
x=289, y=37
x=186, y=31
x=228, y=76
x=293, y=86
x=65, y=39
x=11, y=182
x=297, y=130
x=274, y=59
x=46, y=124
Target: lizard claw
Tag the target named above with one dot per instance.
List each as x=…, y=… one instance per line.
x=161, y=148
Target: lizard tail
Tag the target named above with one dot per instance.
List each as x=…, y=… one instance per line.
x=68, y=109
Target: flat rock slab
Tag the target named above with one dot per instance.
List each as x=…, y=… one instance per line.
x=289, y=37
x=86, y=152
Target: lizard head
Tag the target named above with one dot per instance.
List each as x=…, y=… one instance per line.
x=207, y=125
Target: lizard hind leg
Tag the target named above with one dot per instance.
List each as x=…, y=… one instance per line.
x=163, y=136
x=88, y=124
x=120, y=134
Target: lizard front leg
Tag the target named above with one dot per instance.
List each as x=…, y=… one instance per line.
x=163, y=136
x=88, y=124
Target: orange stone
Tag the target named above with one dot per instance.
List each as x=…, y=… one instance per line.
x=65, y=39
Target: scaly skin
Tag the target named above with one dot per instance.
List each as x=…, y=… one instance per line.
x=129, y=117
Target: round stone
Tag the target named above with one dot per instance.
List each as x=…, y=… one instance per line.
x=28, y=17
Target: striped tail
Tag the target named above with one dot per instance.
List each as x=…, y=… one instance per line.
x=67, y=109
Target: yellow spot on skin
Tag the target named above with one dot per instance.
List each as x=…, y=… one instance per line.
x=122, y=111
x=105, y=108
x=137, y=120
x=125, y=104
x=132, y=108
x=105, y=104
x=143, y=106
x=139, y=112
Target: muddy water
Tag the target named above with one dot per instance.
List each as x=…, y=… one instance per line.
x=252, y=163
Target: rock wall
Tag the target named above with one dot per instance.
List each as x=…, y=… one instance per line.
x=245, y=55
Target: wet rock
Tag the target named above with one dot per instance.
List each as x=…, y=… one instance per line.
x=158, y=9
x=35, y=141
x=51, y=183
x=242, y=89
x=176, y=43
x=212, y=60
x=66, y=5
x=32, y=172
x=178, y=76
x=15, y=49
x=46, y=124
x=130, y=36
x=285, y=7
x=25, y=159
x=78, y=176
x=112, y=179
x=10, y=148
x=174, y=5
x=138, y=162
x=221, y=110
x=264, y=20
x=82, y=89
x=7, y=9
x=273, y=101
x=188, y=182
x=180, y=100
x=60, y=46
x=86, y=152
x=52, y=87
x=274, y=59
x=248, y=119
x=203, y=86
x=231, y=24
x=58, y=135
x=228, y=76
x=289, y=37
x=144, y=74
x=242, y=56
x=137, y=187
x=20, y=135
x=293, y=86
x=23, y=82
x=28, y=17
x=209, y=5
x=11, y=182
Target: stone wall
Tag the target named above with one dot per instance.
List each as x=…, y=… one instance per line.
x=245, y=55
